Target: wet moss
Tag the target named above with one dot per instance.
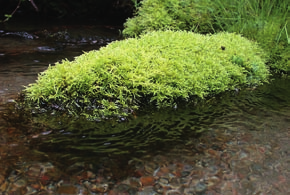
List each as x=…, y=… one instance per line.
x=160, y=68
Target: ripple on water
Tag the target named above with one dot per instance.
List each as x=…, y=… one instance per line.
x=242, y=145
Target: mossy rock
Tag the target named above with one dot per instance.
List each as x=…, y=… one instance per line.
x=159, y=68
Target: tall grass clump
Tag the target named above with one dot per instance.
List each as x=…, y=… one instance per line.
x=159, y=68
x=264, y=21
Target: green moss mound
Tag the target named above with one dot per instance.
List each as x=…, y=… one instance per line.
x=159, y=68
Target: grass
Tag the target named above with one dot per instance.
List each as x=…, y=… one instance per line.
x=264, y=21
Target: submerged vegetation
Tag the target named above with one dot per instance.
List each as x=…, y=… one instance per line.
x=159, y=68
x=264, y=21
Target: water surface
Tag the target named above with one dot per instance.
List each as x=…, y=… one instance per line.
x=234, y=123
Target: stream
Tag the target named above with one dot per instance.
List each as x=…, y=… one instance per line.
x=237, y=143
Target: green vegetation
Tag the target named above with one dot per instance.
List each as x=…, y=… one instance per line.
x=170, y=14
x=160, y=68
x=264, y=21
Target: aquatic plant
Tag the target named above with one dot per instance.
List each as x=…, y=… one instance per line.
x=159, y=68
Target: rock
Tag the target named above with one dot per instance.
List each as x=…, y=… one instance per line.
x=200, y=187
x=122, y=188
x=146, y=190
x=158, y=188
x=163, y=181
x=150, y=167
x=173, y=192
x=147, y=180
x=99, y=188
x=67, y=189
x=135, y=182
x=189, y=191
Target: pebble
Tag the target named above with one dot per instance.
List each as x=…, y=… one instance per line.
x=200, y=187
x=99, y=188
x=220, y=170
x=147, y=180
x=67, y=189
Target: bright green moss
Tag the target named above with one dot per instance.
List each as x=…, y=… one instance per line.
x=159, y=67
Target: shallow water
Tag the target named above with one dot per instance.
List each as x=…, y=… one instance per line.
x=236, y=143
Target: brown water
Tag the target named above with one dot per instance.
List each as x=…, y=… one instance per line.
x=233, y=144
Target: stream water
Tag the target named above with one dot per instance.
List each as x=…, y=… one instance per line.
x=236, y=143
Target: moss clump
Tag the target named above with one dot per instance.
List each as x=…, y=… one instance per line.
x=159, y=67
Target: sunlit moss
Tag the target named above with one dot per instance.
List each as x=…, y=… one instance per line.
x=159, y=68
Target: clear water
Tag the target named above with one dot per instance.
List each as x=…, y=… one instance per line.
x=62, y=140
x=160, y=130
